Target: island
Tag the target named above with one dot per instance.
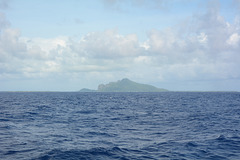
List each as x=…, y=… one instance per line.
x=125, y=85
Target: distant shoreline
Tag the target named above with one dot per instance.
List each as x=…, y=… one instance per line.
x=106, y=92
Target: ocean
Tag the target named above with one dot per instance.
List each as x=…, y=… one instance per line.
x=123, y=126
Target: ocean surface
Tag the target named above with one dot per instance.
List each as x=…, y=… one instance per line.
x=109, y=126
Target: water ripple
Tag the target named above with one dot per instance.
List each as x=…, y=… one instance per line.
x=119, y=125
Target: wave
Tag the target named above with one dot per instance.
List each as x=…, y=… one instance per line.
x=220, y=147
x=59, y=126
x=94, y=153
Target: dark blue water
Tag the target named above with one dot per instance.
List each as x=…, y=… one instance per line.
x=122, y=126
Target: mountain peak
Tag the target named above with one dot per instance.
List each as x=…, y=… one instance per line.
x=125, y=79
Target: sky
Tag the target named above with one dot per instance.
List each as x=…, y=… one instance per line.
x=67, y=45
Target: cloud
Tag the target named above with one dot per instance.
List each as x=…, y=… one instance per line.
x=233, y=40
x=206, y=47
x=107, y=45
x=209, y=50
x=10, y=42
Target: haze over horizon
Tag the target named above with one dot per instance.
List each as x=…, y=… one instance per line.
x=179, y=45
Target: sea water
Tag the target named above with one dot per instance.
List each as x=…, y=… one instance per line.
x=168, y=125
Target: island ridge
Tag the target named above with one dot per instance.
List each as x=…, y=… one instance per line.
x=125, y=85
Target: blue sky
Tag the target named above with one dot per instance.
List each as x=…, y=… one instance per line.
x=71, y=44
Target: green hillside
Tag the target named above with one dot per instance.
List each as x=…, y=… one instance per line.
x=126, y=85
